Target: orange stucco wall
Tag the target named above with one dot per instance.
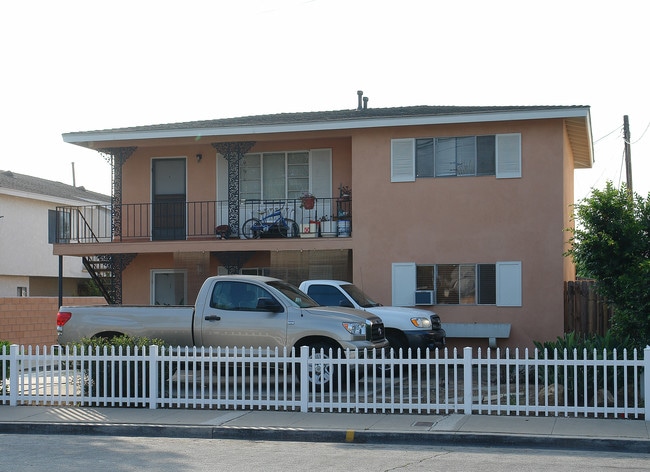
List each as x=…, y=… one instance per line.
x=201, y=176
x=468, y=220
x=429, y=221
x=197, y=267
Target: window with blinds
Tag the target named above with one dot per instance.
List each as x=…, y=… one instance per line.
x=459, y=284
x=498, y=155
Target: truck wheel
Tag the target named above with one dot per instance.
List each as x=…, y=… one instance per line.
x=322, y=375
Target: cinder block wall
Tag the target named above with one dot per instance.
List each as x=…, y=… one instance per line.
x=32, y=320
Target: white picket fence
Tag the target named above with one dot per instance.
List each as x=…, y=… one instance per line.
x=508, y=382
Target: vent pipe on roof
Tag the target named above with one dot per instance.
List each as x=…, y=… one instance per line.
x=365, y=103
x=360, y=95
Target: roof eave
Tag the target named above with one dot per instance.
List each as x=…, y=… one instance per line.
x=44, y=197
x=581, y=141
x=93, y=139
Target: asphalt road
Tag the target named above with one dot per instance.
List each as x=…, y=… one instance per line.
x=82, y=453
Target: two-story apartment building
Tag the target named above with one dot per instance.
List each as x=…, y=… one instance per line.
x=27, y=266
x=460, y=209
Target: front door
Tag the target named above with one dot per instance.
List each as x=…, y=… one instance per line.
x=168, y=199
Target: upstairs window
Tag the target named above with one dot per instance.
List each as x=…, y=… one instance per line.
x=274, y=175
x=498, y=155
x=455, y=157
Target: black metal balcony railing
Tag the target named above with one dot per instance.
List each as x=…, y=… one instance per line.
x=174, y=220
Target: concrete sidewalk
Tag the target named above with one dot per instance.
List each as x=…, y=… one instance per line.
x=454, y=429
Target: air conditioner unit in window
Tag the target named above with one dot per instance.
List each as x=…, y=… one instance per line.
x=424, y=297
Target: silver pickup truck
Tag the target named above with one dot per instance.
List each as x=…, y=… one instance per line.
x=233, y=311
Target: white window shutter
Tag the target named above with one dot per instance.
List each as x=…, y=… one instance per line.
x=402, y=160
x=509, y=283
x=508, y=147
x=404, y=284
x=321, y=172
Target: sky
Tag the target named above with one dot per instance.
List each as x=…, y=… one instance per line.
x=79, y=65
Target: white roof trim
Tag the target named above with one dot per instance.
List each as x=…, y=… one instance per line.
x=50, y=198
x=125, y=134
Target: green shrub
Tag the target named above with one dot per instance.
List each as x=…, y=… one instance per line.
x=4, y=366
x=579, y=348
x=122, y=340
x=572, y=341
x=129, y=377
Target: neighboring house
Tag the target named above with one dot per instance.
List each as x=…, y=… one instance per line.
x=460, y=209
x=27, y=265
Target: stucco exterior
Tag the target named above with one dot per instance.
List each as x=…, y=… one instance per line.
x=26, y=258
x=426, y=221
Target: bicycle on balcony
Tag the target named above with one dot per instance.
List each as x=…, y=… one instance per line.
x=272, y=225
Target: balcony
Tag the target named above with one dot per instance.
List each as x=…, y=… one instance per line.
x=196, y=221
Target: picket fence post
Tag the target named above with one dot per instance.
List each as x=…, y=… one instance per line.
x=304, y=378
x=646, y=382
x=154, y=374
x=467, y=380
x=14, y=364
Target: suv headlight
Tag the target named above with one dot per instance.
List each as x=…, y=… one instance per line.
x=355, y=329
x=424, y=323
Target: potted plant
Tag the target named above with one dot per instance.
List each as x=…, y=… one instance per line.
x=307, y=201
x=328, y=227
x=345, y=192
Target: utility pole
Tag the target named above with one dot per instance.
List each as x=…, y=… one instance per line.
x=628, y=153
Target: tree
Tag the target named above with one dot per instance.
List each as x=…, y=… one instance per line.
x=611, y=244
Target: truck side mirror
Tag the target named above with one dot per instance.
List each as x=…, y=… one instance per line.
x=346, y=303
x=269, y=304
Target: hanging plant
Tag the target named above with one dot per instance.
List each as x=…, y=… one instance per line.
x=307, y=201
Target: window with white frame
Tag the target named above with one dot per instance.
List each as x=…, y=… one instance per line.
x=280, y=175
x=254, y=271
x=498, y=155
x=274, y=175
x=168, y=287
x=459, y=284
x=455, y=157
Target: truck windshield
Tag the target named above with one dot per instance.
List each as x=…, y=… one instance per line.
x=358, y=296
x=293, y=294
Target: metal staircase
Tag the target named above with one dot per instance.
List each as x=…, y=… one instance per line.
x=101, y=270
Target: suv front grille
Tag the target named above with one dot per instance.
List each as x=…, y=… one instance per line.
x=377, y=332
x=435, y=322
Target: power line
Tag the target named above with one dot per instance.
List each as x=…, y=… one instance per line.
x=642, y=134
x=620, y=171
x=618, y=128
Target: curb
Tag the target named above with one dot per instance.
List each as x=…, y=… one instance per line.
x=350, y=436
